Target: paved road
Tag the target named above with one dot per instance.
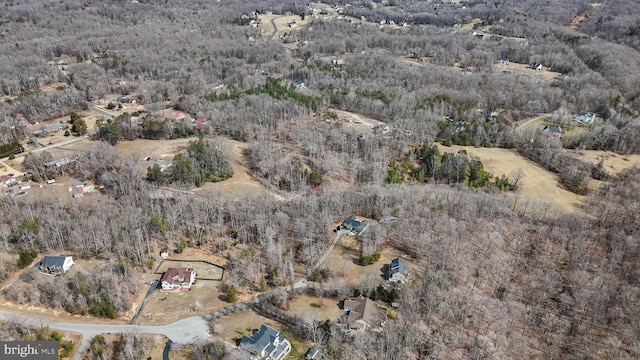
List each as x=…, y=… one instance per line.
x=185, y=331
x=532, y=120
x=275, y=27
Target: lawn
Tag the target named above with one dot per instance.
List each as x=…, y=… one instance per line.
x=345, y=257
x=167, y=307
x=315, y=308
x=203, y=270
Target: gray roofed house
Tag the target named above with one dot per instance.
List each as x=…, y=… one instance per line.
x=355, y=226
x=55, y=265
x=266, y=343
x=397, y=271
x=553, y=130
x=585, y=117
x=381, y=129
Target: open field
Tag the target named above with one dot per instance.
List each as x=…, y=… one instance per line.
x=614, y=163
x=537, y=183
x=203, y=270
x=544, y=74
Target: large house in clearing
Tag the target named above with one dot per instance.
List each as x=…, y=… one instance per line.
x=55, y=265
x=266, y=344
x=397, y=271
x=180, y=278
x=362, y=313
x=355, y=226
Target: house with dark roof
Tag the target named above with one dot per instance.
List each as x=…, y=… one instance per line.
x=311, y=353
x=266, y=344
x=355, y=226
x=180, y=278
x=503, y=60
x=553, y=130
x=55, y=265
x=397, y=271
x=362, y=313
x=381, y=129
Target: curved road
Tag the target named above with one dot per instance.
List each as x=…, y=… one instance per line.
x=187, y=330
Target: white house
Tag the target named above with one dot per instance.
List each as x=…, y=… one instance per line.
x=55, y=265
x=180, y=278
x=266, y=344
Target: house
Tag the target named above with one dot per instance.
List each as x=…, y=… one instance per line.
x=585, y=117
x=535, y=65
x=362, y=313
x=78, y=191
x=311, y=353
x=299, y=84
x=266, y=344
x=397, y=271
x=503, y=60
x=200, y=121
x=355, y=226
x=164, y=252
x=178, y=116
x=180, y=278
x=8, y=180
x=553, y=130
x=381, y=129
x=55, y=265
x=292, y=24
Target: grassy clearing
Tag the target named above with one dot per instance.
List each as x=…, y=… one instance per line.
x=241, y=323
x=537, y=183
x=614, y=163
x=314, y=308
x=345, y=257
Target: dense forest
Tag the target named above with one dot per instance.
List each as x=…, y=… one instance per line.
x=503, y=276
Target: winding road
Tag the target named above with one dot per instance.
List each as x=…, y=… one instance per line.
x=185, y=331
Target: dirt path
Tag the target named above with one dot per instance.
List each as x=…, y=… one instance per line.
x=583, y=15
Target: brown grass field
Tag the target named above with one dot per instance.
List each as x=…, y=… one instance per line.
x=516, y=68
x=614, y=163
x=537, y=183
x=241, y=323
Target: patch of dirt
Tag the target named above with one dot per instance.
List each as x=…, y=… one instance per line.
x=575, y=22
x=537, y=183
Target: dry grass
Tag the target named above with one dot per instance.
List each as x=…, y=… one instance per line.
x=537, y=183
x=314, y=308
x=242, y=183
x=345, y=257
x=167, y=307
x=544, y=74
x=614, y=163
x=241, y=323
